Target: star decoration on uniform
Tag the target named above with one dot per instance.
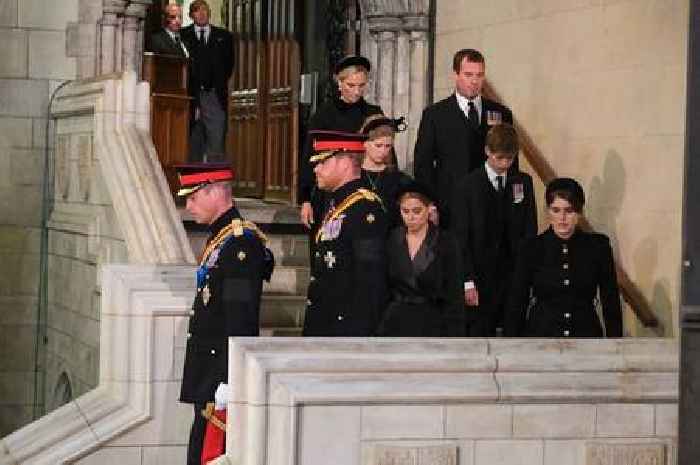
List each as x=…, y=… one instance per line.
x=370, y=218
x=241, y=255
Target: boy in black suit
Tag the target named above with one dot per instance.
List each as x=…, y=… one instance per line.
x=452, y=132
x=494, y=212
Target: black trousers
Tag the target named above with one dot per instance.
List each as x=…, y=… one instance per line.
x=194, y=447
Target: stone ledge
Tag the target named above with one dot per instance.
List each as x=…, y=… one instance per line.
x=273, y=379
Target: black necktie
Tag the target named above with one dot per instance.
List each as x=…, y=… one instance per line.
x=473, y=115
x=201, y=37
x=499, y=184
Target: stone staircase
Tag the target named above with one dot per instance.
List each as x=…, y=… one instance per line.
x=284, y=297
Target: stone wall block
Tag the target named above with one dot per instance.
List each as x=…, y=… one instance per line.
x=479, y=421
x=625, y=420
x=35, y=14
x=321, y=426
x=14, y=133
x=397, y=422
x=500, y=452
x=47, y=56
x=23, y=98
x=8, y=12
x=13, y=53
x=666, y=419
x=553, y=421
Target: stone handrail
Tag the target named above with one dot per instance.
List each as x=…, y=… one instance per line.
x=629, y=290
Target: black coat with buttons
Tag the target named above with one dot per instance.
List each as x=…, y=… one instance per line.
x=564, y=277
x=232, y=309
x=348, y=272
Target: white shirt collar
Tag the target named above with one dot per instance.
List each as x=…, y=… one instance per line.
x=492, y=176
x=463, y=103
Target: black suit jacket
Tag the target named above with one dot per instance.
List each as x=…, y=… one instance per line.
x=163, y=44
x=447, y=148
x=219, y=47
x=480, y=216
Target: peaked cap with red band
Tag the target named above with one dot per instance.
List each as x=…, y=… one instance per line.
x=329, y=143
x=194, y=176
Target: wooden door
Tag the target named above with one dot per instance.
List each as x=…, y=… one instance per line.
x=263, y=112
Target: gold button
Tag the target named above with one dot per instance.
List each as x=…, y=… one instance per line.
x=566, y=282
x=567, y=315
x=565, y=266
x=308, y=302
x=566, y=333
x=312, y=279
x=189, y=335
x=340, y=317
x=191, y=312
x=213, y=352
x=565, y=249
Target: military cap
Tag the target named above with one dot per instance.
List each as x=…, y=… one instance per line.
x=353, y=60
x=193, y=176
x=329, y=143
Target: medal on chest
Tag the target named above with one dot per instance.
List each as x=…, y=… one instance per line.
x=518, y=192
x=331, y=229
x=206, y=294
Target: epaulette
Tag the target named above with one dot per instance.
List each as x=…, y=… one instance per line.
x=240, y=227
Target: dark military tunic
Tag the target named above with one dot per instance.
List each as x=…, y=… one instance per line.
x=348, y=282
x=227, y=304
x=565, y=276
x=386, y=185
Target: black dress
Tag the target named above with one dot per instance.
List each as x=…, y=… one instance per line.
x=426, y=293
x=386, y=185
x=564, y=277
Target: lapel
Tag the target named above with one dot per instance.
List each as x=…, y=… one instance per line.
x=174, y=46
x=426, y=253
x=485, y=186
x=463, y=130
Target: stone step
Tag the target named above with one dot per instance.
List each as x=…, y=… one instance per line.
x=288, y=280
x=282, y=311
x=281, y=332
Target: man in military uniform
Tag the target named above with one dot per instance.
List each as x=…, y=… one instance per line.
x=348, y=283
x=229, y=284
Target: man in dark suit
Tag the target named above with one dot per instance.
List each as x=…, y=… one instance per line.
x=451, y=135
x=229, y=285
x=494, y=212
x=211, y=52
x=167, y=41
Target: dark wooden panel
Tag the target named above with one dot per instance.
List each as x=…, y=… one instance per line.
x=262, y=107
x=170, y=111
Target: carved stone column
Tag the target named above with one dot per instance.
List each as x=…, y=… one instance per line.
x=132, y=46
x=395, y=39
x=110, y=36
